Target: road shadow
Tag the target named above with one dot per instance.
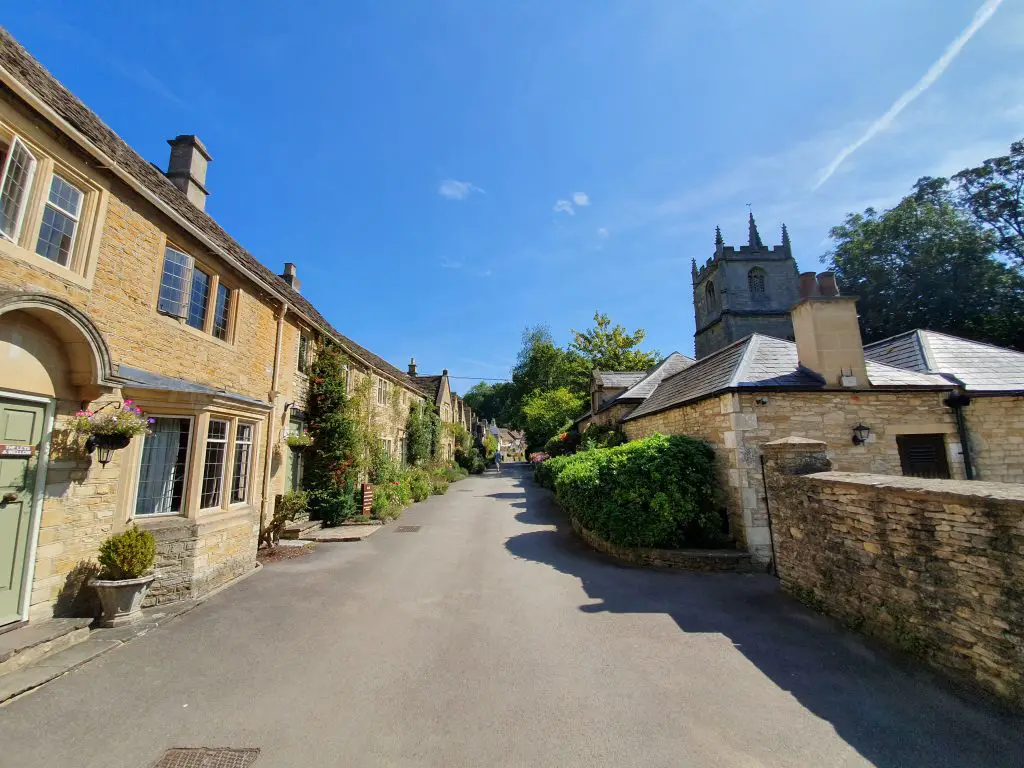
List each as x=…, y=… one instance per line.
x=891, y=713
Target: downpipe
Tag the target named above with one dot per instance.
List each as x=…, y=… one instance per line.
x=956, y=402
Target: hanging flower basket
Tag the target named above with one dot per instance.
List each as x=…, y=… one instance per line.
x=110, y=429
x=299, y=441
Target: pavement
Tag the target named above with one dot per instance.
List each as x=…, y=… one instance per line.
x=490, y=636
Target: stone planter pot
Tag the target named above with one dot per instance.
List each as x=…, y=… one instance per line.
x=122, y=600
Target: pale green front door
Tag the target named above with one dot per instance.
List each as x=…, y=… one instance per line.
x=21, y=432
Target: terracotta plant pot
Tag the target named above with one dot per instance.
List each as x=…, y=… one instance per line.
x=122, y=600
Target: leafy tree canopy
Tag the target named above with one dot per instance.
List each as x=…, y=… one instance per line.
x=547, y=412
x=929, y=263
x=611, y=347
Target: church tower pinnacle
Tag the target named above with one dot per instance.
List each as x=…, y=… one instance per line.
x=754, y=239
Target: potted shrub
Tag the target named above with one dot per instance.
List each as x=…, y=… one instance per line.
x=110, y=430
x=126, y=559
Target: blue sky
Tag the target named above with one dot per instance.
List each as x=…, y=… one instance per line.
x=446, y=173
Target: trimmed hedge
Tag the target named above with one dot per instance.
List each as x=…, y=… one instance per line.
x=655, y=492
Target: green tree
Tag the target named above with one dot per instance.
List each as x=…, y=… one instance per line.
x=927, y=264
x=611, y=347
x=422, y=433
x=991, y=195
x=547, y=412
x=334, y=460
x=491, y=401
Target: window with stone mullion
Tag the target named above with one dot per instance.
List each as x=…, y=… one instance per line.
x=213, y=464
x=243, y=462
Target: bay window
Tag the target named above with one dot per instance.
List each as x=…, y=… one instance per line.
x=213, y=464
x=243, y=463
x=164, y=465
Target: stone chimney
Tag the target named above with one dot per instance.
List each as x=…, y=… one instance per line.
x=827, y=335
x=412, y=366
x=187, y=168
x=291, y=276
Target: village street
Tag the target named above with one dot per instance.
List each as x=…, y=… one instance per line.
x=491, y=637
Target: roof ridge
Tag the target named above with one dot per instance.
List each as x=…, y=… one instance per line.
x=30, y=73
x=988, y=344
x=744, y=360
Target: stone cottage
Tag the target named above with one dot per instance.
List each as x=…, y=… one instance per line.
x=921, y=404
x=115, y=284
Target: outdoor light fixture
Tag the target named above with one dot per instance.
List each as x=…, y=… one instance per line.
x=860, y=434
x=104, y=451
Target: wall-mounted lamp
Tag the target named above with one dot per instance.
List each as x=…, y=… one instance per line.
x=861, y=434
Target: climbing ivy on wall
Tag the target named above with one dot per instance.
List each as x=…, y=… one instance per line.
x=423, y=433
x=332, y=466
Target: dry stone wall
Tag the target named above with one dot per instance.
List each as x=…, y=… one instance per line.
x=933, y=567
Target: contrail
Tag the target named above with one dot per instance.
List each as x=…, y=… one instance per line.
x=934, y=73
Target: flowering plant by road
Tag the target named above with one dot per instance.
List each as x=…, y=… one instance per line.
x=126, y=419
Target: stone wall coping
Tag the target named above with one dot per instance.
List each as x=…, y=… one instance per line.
x=940, y=490
x=795, y=443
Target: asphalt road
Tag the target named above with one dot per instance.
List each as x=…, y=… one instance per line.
x=491, y=637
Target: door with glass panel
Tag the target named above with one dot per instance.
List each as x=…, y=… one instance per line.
x=21, y=433
x=165, y=453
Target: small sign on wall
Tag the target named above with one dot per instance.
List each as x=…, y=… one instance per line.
x=17, y=450
x=367, y=499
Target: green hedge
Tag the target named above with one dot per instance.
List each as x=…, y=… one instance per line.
x=655, y=492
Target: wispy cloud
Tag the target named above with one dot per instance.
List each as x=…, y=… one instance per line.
x=602, y=233
x=132, y=71
x=579, y=199
x=457, y=190
x=449, y=264
x=981, y=17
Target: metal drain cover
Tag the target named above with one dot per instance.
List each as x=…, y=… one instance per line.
x=205, y=757
x=407, y=529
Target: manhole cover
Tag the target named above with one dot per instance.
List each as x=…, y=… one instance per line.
x=203, y=757
x=407, y=529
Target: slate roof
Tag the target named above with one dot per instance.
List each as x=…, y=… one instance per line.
x=980, y=367
x=670, y=366
x=31, y=74
x=136, y=378
x=759, y=362
x=619, y=379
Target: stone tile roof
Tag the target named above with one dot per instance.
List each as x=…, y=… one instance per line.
x=762, y=362
x=428, y=385
x=32, y=75
x=980, y=367
x=619, y=379
x=136, y=378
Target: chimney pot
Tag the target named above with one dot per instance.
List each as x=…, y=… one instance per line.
x=444, y=372
x=412, y=366
x=827, y=285
x=186, y=168
x=291, y=276
x=808, y=285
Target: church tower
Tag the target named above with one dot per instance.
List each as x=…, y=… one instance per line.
x=744, y=290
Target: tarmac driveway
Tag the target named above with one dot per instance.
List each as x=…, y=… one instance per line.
x=491, y=637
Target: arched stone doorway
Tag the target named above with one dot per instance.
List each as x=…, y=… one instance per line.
x=52, y=359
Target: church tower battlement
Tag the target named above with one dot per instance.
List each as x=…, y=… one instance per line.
x=739, y=291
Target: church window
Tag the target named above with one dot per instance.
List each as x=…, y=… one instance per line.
x=756, y=283
x=711, y=297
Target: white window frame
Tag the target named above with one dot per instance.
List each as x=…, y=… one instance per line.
x=224, y=464
x=47, y=203
x=190, y=418
x=26, y=192
x=382, y=391
x=234, y=455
